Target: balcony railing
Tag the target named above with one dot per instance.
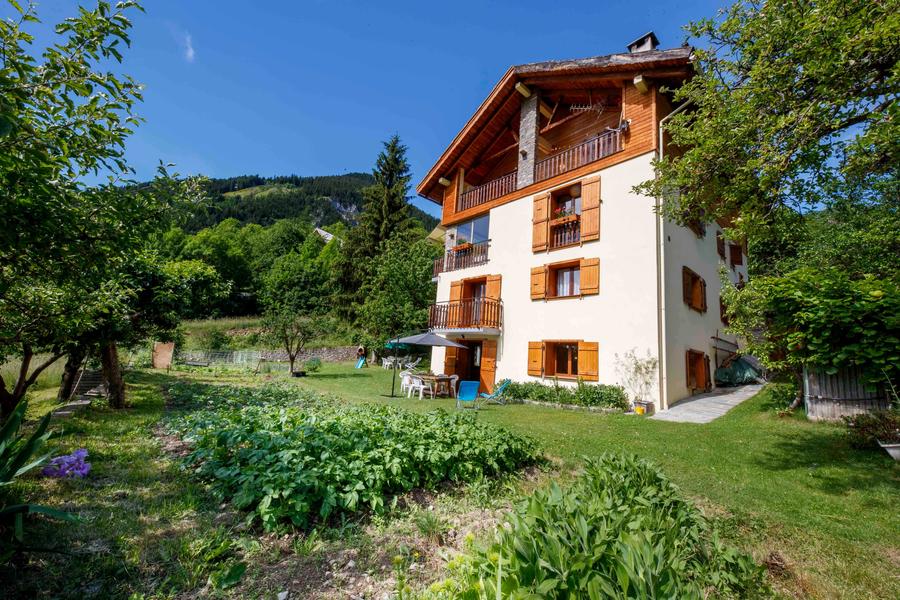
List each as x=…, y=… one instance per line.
x=578, y=156
x=488, y=191
x=468, y=313
x=462, y=257
x=565, y=234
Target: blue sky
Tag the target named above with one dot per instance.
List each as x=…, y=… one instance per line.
x=313, y=87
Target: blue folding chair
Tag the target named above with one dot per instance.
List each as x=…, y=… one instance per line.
x=496, y=397
x=468, y=393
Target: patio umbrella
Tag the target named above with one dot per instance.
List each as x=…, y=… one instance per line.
x=419, y=339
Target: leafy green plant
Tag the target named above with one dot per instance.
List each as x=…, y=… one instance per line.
x=864, y=431
x=583, y=394
x=621, y=530
x=292, y=456
x=18, y=455
x=313, y=365
x=430, y=525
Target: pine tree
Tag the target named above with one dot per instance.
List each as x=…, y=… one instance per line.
x=385, y=214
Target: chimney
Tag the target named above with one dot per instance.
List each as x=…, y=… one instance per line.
x=646, y=42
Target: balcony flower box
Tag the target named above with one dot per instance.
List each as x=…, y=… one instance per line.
x=462, y=247
x=563, y=220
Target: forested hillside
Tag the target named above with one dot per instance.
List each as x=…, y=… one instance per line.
x=321, y=200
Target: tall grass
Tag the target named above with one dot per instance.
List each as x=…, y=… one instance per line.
x=199, y=333
x=49, y=377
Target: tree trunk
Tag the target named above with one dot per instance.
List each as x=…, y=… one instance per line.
x=112, y=372
x=70, y=373
x=8, y=404
x=291, y=359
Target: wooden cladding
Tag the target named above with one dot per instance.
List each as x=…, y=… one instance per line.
x=548, y=233
x=697, y=371
x=544, y=284
x=693, y=289
x=564, y=358
x=594, y=149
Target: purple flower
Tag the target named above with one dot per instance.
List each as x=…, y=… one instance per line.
x=69, y=465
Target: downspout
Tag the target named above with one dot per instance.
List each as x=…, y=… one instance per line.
x=661, y=277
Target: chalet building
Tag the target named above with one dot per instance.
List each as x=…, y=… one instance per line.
x=553, y=266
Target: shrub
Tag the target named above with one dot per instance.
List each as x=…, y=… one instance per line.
x=620, y=531
x=865, y=430
x=313, y=365
x=289, y=455
x=583, y=394
x=214, y=339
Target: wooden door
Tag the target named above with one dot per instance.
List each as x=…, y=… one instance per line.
x=488, y=366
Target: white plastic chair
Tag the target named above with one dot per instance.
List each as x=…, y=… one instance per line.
x=413, y=364
x=419, y=385
x=405, y=381
x=452, y=384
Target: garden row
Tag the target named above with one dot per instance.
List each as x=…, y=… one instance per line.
x=292, y=456
x=621, y=530
x=582, y=394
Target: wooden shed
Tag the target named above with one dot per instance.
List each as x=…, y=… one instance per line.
x=830, y=397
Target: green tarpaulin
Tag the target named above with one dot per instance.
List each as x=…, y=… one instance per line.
x=739, y=372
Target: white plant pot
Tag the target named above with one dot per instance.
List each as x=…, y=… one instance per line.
x=892, y=449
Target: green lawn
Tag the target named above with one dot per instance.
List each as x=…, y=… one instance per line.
x=776, y=485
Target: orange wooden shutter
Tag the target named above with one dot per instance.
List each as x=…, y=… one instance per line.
x=540, y=222
x=450, y=361
x=492, y=287
x=454, y=310
x=535, y=358
x=588, y=362
x=539, y=283
x=590, y=209
x=688, y=374
x=488, y=365
x=720, y=245
x=707, y=381
x=590, y=276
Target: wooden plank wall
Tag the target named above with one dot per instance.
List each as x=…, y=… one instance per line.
x=579, y=129
x=830, y=397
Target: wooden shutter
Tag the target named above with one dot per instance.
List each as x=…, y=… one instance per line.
x=707, y=381
x=535, y=358
x=488, y=365
x=492, y=287
x=454, y=310
x=687, y=286
x=540, y=222
x=590, y=276
x=737, y=254
x=450, y=361
x=539, y=283
x=590, y=209
x=688, y=373
x=723, y=312
x=702, y=304
x=588, y=365
x=720, y=245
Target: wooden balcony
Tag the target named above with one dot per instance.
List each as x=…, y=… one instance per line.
x=572, y=158
x=474, y=314
x=462, y=257
x=489, y=191
x=565, y=232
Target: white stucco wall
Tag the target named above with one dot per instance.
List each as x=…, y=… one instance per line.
x=621, y=317
x=687, y=329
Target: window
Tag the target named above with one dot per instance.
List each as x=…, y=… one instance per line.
x=566, y=357
x=693, y=290
x=737, y=254
x=566, y=202
x=563, y=358
x=474, y=231
x=720, y=245
x=568, y=281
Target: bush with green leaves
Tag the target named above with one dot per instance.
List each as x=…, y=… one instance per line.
x=621, y=530
x=313, y=365
x=864, y=431
x=291, y=456
x=583, y=394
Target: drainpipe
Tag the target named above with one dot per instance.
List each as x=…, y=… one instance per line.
x=661, y=277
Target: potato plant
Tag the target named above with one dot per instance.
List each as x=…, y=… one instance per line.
x=291, y=456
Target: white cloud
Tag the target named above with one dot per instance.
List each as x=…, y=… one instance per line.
x=188, y=44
